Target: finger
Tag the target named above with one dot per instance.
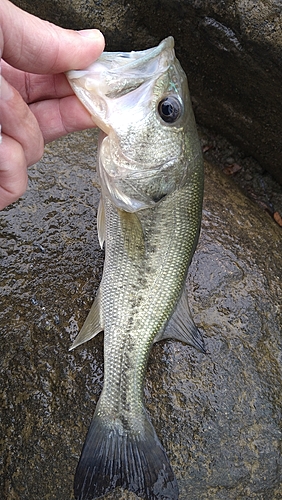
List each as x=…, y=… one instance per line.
x=36, y=87
x=13, y=171
x=19, y=123
x=58, y=117
x=34, y=45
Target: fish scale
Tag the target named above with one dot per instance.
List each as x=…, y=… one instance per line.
x=151, y=174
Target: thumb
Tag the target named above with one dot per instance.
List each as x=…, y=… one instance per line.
x=37, y=46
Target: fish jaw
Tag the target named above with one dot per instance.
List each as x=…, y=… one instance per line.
x=116, y=74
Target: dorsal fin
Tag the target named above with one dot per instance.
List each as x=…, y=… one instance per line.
x=182, y=327
x=92, y=325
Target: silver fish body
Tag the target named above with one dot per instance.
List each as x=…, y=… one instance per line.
x=151, y=174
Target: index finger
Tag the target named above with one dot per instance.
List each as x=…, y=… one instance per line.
x=37, y=46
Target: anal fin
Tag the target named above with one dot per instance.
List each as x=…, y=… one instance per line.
x=92, y=325
x=182, y=327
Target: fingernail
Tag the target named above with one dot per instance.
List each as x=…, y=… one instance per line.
x=6, y=91
x=94, y=34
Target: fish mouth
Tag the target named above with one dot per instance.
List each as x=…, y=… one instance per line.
x=133, y=64
x=138, y=67
x=116, y=74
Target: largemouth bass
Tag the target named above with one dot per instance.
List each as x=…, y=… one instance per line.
x=151, y=175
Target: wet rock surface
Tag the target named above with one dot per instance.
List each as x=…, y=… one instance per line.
x=230, y=50
x=218, y=415
x=245, y=171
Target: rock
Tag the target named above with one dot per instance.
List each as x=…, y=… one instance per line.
x=230, y=50
x=218, y=415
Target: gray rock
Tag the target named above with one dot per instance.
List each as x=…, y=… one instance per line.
x=218, y=415
x=231, y=51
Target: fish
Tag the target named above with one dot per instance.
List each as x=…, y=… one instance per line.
x=150, y=170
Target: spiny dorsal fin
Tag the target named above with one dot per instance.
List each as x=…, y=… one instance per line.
x=92, y=325
x=101, y=222
x=182, y=327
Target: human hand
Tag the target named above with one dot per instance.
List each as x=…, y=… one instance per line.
x=37, y=104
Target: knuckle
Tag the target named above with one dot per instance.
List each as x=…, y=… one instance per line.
x=19, y=123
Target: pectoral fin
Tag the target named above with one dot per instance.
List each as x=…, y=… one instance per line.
x=133, y=236
x=182, y=327
x=101, y=224
x=92, y=325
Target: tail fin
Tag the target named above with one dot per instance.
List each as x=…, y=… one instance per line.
x=111, y=458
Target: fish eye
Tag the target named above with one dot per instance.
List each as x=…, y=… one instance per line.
x=170, y=109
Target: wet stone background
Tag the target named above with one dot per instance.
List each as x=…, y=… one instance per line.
x=218, y=415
